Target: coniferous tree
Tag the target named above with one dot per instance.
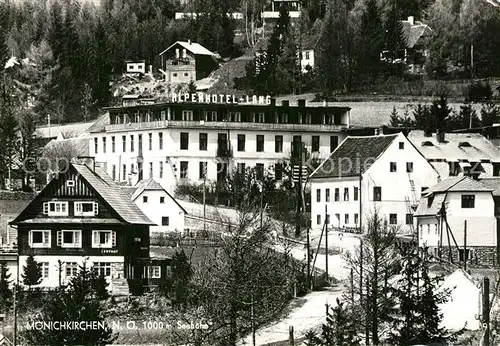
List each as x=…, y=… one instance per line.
x=5, y=290
x=340, y=327
x=181, y=277
x=371, y=42
x=32, y=272
x=490, y=113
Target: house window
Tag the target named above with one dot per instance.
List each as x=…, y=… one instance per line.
x=260, y=143
x=184, y=169
x=393, y=219
x=464, y=255
x=393, y=167
x=409, y=219
x=334, y=143
x=336, y=196
x=346, y=219
x=55, y=208
x=318, y=219
x=307, y=55
x=203, y=169
x=346, y=194
x=327, y=195
x=144, y=199
x=278, y=144
x=203, y=141
x=401, y=145
x=86, y=208
x=124, y=143
x=165, y=221
x=409, y=167
x=184, y=141
x=318, y=195
x=103, y=239
x=162, y=200
x=104, y=145
x=102, y=269
x=124, y=168
x=132, y=143
x=150, y=140
x=45, y=269
x=241, y=142
x=355, y=193
x=71, y=269
x=356, y=218
x=69, y=239
x=39, y=238
x=315, y=144
x=113, y=172
x=151, y=169
x=95, y=145
x=468, y=201
x=154, y=272
x=161, y=169
x=160, y=140
x=113, y=144
x=377, y=193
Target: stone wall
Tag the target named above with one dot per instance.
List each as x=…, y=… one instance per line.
x=486, y=256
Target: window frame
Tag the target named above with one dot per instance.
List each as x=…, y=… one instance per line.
x=315, y=144
x=72, y=267
x=111, y=243
x=101, y=269
x=259, y=144
x=409, y=167
x=468, y=201
x=73, y=245
x=46, y=239
x=393, y=217
x=167, y=219
x=278, y=143
x=203, y=141
x=48, y=212
x=155, y=272
x=377, y=193
x=79, y=208
x=184, y=141
x=45, y=269
x=393, y=167
x=241, y=139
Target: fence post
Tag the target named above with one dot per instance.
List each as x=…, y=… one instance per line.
x=290, y=330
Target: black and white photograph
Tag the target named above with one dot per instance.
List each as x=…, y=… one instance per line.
x=249, y=172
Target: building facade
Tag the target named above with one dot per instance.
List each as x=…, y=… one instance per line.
x=393, y=174
x=457, y=220
x=176, y=142
x=81, y=215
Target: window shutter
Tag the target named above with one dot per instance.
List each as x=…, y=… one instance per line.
x=46, y=208
x=78, y=207
x=30, y=238
x=96, y=208
x=78, y=239
x=59, y=238
x=113, y=240
x=46, y=237
x=95, y=238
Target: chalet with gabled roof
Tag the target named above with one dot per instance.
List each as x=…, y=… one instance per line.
x=82, y=214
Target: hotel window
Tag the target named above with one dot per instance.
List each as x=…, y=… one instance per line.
x=69, y=238
x=318, y=219
x=103, y=239
x=139, y=170
x=124, y=144
x=203, y=169
x=221, y=171
x=187, y=115
x=393, y=167
x=203, y=141
x=165, y=221
x=393, y=219
x=184, y=169
x=468, y=201
x=113, y=173
x=237, y=116
x=95, y=145
x=409, y=219
x=213, y=116
x=124, y=168
x=44, y=266
x=39, y=238
x=334, y=143
x=259, y=170
x=278, y=144
x=401, y=145
x=71, y=269
x=140, y=143
x=346, y=219
x=162, y=200
x=409, y=167
x=102, y=269
x=315, y=144
x=144, y=199
x=150, y=138
x=355, y=193
x=260, y=143
x=327, y=195
x=241, y=142
x=161, y=169
x=241, y=167
x=160, y=140
x=55, y=208
x=151, y=170
x=284, y=118
x=337, y=194
x=112, y=144
x=346, y=194
x=356, y=219
x=308, y=119
x=377, y=193
x=318, y=195
x=104, y=145
x=86, y=208
x=184, y=141
x=132, y=143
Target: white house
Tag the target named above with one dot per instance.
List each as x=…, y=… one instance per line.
x=453, y=206
x=307, y=59
x=159, y=206
x=136, y=67
x=393, y=173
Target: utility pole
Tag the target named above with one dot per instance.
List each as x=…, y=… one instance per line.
x=298, y=151
x=204, y=200
x=261, y=202
x=253, y=322
x=465, y=245
x=486, y=311
x=15, y=299
x=326, y=241
x=290, y=331
x=308, y=260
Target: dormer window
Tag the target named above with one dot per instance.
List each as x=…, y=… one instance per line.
x=55, y=208
x=464, y=145
x=86, y=208
x=427, y=144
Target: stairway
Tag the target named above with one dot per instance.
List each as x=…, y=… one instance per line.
x=119, y=287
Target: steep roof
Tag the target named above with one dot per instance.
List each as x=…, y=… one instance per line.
x=152, y=185
x=73, y=146
x=453, y=149
x=193, y=47
x=345, y=161
x=493, y=184
x=413, y=32
x=54, y=130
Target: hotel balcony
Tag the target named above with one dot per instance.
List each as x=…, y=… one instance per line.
x=179, y=124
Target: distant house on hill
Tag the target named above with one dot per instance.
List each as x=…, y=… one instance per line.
x=415, y=35
x=273, y=10
x=184, y=62
x=136, y=67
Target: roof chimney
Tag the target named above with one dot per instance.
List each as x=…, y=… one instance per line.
x=189, y=40
x=411, y=19
x=440, y=137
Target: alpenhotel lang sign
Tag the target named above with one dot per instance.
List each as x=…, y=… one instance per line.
x=220, y=98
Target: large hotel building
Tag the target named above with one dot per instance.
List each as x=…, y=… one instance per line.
x=191, y=134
